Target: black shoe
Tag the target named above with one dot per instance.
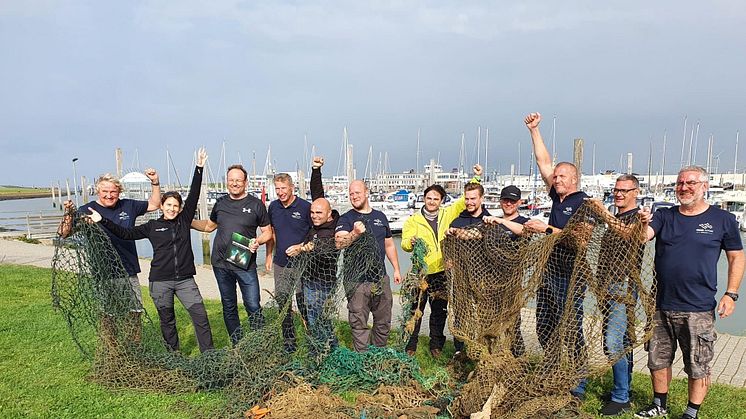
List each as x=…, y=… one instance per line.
x=685, y=416
x=578, y=396
x=613, y=408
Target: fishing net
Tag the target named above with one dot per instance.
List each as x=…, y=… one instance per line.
x=110, y=326
x=540, y=313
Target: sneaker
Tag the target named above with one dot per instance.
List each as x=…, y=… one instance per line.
x=612, y=408
x=652, y=411
x=686, y=416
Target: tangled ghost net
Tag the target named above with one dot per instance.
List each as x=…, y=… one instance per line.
x=540, y=313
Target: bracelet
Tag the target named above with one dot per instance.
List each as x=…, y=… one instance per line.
x=156, y=183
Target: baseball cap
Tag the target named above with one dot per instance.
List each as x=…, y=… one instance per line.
x=510, y=192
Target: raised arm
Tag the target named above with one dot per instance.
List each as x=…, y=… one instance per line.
x=190, y=206
x=317, y=186
x=543, y=159
x=154, y=202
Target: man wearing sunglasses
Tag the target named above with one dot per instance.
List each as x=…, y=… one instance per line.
x=689, y=238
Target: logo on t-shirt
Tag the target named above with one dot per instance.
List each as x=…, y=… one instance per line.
x=377, y=222
x=246, y=210
x=295, y=215
x=124, y=216
x=567, y=211
x=162, y=229
x=705, y=228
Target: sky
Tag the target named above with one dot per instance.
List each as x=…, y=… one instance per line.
x=80, y=78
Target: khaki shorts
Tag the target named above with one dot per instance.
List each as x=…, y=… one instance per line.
x=693, y=331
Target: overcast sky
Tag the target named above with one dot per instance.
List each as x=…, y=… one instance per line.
x=80, y=78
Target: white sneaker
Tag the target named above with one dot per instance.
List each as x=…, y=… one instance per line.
x=652, y=411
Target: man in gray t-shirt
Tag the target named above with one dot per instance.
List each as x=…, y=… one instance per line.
x=237, y=213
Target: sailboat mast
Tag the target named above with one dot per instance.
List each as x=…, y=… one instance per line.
x=554, y=152
x=696, y=143
x=683, y=142
x=486, y=149
x=417, y=163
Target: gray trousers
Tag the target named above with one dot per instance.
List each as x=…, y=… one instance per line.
x=360, y=305
x=187, y=292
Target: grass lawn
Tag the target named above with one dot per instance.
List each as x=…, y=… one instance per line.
x=18, y=191
x=44, y=375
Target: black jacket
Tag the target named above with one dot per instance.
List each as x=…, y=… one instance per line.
x=173, y=259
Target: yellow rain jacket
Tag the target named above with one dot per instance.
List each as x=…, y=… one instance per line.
x=417, y=226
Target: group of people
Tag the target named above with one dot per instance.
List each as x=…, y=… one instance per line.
x=689, y=239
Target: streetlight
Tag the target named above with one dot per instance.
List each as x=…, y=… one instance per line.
x=75, y=181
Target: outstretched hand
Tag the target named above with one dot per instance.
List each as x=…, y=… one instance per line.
x=94, y=215
x=318, y=161
x=201, y=157
x=532, y=120
x=477, y=170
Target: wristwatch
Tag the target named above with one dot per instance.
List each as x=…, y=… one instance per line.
x=549, y=231
x=732, y=295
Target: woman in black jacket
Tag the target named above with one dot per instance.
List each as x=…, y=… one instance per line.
x=172, y=268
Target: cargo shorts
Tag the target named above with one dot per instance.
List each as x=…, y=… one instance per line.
x=694, y=332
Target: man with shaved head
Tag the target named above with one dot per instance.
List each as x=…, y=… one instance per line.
x=373, y=292
x=562, y=181
x=320, y=278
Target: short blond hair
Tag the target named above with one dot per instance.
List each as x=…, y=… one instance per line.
x=108, y=177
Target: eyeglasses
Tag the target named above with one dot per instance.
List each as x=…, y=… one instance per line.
x=689, y=183
x=622, y=191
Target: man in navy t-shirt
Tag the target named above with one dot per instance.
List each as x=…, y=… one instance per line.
x=290, y=217
x=562, y=182
x=373, y=292
x=689, y=239
x=123, y=212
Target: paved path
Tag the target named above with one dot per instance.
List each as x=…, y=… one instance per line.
x=729, y=364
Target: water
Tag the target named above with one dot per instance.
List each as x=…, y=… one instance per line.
x=736, y=324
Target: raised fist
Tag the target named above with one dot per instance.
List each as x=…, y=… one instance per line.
x=151, y=174
x=477, y=170
x=317, y=162
x=532, y=120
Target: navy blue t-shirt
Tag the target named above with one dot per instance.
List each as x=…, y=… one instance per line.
x=241, y=216
x=124, y=214
x=562, y=211
x=465, y=219
x=687, y=249
x=375, y=223
x=291, y=225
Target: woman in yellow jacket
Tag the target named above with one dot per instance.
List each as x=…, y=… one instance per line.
x=430, y=224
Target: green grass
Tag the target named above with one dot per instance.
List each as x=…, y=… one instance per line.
x=44, y=375
x=18, y=191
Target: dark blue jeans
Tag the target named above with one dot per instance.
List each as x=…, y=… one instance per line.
x=318, y=297
x=248, y=282
x=617, y=342
x=551, y=298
